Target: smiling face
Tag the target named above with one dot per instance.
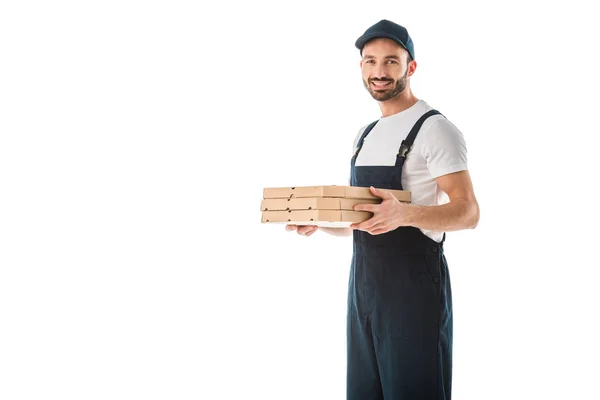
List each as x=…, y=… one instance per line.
x=386, y=67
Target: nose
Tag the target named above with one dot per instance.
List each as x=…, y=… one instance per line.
x=379, y=71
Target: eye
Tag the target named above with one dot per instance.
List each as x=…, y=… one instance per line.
x=392, y=62
x=369, y=62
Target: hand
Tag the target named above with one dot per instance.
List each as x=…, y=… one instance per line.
x=304, y=230
x=387, y=215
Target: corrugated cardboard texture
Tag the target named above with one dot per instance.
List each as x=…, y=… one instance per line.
x=353, y=192
x=313, y=203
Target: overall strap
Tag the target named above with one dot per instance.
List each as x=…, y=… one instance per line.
x=363, y=136
x=410, y=139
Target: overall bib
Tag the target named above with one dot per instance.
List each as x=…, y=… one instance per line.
x=399, y=322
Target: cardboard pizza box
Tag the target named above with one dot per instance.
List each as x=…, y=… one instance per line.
x=313, y=203
x=349, y=192
x=325, y=218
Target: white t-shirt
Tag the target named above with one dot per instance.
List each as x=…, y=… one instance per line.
x=439, y=149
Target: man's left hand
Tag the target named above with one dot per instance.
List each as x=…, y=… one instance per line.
x=387, y=215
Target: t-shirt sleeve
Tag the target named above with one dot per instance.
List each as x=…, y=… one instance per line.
x=444, y=149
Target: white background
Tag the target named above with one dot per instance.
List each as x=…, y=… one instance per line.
x=136, y=139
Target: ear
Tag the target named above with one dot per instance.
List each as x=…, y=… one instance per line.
x=412, y=67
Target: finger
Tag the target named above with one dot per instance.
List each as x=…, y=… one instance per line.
x=310, y=232
x=305, y=229
x=384, y=194
x=380, y=229
x=359, y=225
x=302, y=228
x=368, y=224
x=307, y=233
x=366, y=207
x=290, y=227
x=373, y=222
x=356, y=225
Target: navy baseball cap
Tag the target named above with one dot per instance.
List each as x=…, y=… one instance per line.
x=390, y=30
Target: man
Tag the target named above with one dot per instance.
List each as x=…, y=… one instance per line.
x=400, y=301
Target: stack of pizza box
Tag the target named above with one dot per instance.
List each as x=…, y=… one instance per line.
x=327, y=206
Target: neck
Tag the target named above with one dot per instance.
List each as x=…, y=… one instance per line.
x=404, y=100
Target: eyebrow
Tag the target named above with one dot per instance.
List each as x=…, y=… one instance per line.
x=386, y=57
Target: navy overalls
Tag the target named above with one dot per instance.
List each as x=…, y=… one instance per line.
x=399, y=331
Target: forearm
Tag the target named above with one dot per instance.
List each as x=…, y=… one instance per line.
x=336, y=231
x=456, y=215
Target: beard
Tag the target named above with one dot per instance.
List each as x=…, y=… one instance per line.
x=387, y=94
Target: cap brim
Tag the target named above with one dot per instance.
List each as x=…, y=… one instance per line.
x=360, y=42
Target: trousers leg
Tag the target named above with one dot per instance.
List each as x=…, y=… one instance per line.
x=446, y=329
x=409, y=369
x=363, y=381
x=413, y=342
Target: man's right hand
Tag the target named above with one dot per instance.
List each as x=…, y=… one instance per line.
x=307, y=230
x=304, y=230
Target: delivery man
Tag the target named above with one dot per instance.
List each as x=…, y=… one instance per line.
x=399, y=321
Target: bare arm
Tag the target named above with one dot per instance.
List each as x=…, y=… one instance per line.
x=462, y=212
x=337, y=231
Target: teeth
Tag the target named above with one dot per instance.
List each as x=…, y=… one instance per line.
x=380, y=83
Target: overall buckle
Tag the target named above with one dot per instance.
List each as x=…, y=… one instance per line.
x=404, y=148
